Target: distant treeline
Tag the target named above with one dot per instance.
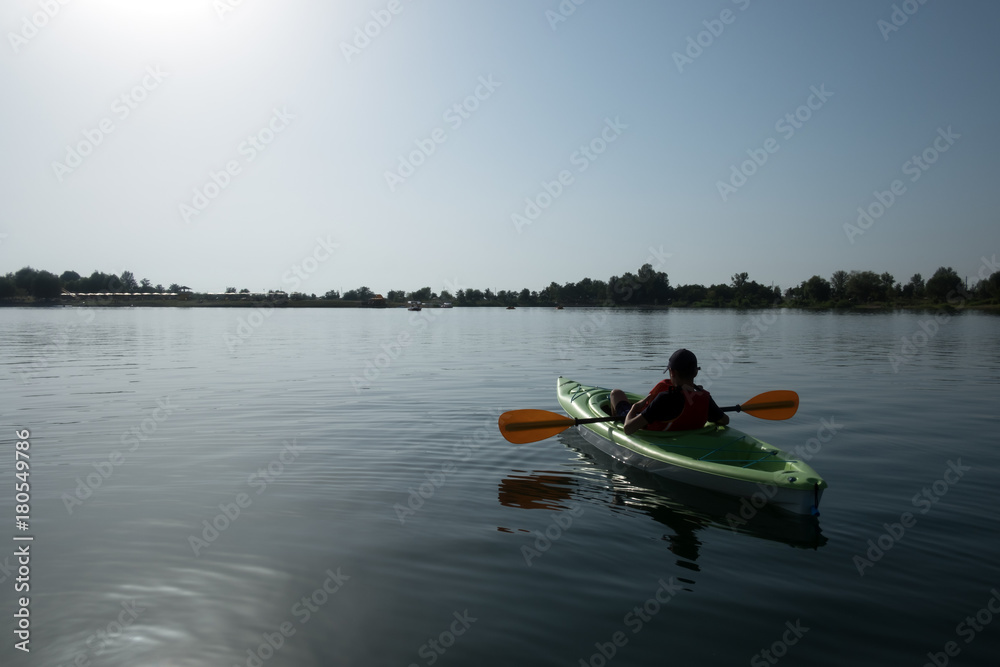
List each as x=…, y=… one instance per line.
x=46, y=285
x=649, y=287
x=646, y=287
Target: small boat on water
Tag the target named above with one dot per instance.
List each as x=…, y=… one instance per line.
x=720, y=458
x=446, y=304
x=414, y=305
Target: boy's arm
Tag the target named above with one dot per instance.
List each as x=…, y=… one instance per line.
x=715, y=413
x=634, y=420
x=665, y=407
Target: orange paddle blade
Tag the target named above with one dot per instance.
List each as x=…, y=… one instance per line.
x=523, y=426
x=775, y=405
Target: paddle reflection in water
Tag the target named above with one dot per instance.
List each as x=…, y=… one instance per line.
x=537, y=491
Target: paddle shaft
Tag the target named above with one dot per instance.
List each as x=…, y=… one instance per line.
x=527, y=426
x=566, y=422
x=750, y=407
x=524, y=426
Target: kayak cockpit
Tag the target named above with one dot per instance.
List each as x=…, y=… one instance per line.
x=711, y=443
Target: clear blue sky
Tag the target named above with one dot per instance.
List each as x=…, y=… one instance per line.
x=671, y=98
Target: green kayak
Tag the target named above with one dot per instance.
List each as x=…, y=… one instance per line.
x=714, y=457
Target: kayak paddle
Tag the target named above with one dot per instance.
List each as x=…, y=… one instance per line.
x=775, y=405
x=523, y=426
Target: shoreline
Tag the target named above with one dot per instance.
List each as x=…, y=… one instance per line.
x=156, y=302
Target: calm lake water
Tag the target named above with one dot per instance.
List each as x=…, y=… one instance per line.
x=220, y=487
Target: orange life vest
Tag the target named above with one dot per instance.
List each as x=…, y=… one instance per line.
x=695, y=412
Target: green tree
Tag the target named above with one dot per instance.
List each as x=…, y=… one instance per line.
x=887, y=281
x=23, y=279
x=599, y=293
x=943, y=283
x=360, y=294
x=422, y=294
x=8, y=287
x=746, y=293
x=655, y=288
x=647, y=287
x=92, y=283
x=720, y=295
x=128, y=283
x=838, y=283
x=689, y=295
x=816, y=290
x=552, y=293
x=624, y=290
x=570, y=293
x=46, y=285
x=990, y=288
x=864, y=286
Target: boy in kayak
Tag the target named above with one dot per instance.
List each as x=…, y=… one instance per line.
x=676, y=404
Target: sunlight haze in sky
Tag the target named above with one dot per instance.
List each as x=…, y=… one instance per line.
x=398, y=144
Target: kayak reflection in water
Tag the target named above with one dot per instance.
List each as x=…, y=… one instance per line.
x=677, y=404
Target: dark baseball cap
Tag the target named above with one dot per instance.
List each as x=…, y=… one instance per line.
x=684, y=362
